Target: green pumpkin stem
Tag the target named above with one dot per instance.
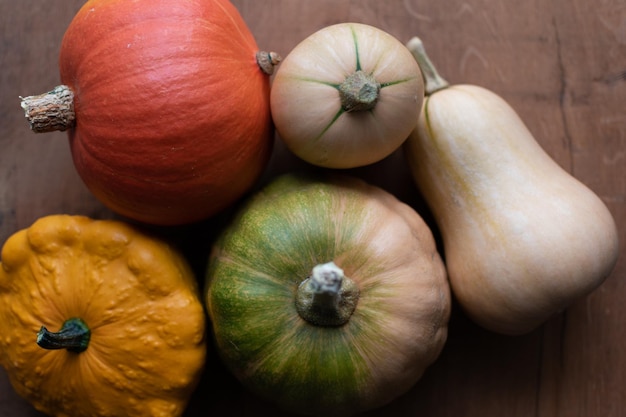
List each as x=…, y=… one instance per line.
x=51, y=111
x=73, y=336
x=433, y=82
x=359, y=92
x=327, y=297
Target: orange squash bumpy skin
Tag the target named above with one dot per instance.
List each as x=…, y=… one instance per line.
x=98, y=319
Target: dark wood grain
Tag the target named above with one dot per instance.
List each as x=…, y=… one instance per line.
x=560, y=64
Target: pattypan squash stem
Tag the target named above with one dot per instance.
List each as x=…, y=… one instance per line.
x=359, y=92
x=327, y=297
x=51, y=111
x=73, y=336
x=433, y=82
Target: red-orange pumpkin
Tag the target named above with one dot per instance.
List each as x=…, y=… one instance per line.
x=172, y=120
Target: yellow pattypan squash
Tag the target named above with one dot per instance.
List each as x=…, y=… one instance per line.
x=99, y=319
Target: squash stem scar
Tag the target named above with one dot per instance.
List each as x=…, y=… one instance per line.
x=359, y=92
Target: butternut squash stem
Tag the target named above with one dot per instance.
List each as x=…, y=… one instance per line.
x=433, y=82
x=359, y=92
x=73, y=336
x=51, y=111
x=327, y=297
x=267, y=61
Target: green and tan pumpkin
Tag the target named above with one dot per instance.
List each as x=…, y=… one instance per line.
x=327, y=295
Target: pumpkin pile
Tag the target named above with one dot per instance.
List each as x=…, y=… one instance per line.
x=322, y=294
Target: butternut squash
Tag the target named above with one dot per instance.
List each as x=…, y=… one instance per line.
x=522, y=238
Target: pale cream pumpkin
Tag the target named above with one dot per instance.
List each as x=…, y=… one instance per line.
x=346, y=96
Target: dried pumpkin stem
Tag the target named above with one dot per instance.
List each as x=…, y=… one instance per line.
x=432, y=80
x=267, y=61
x=73, y=336
x=327, y=297
x=51, y=111
x=359, y=92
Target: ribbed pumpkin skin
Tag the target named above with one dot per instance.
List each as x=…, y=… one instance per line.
x=136, y=294
x=172, y=110
x=400, y=322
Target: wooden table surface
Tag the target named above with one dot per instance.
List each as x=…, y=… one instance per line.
x=561, y=64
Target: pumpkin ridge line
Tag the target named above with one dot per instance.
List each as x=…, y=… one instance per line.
x=327, y=128
x=401, y=81
x=314, y=80
x=356, y=50
x=243, y=263
x=39, y=285
x=234, y=24
x=191, y=174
